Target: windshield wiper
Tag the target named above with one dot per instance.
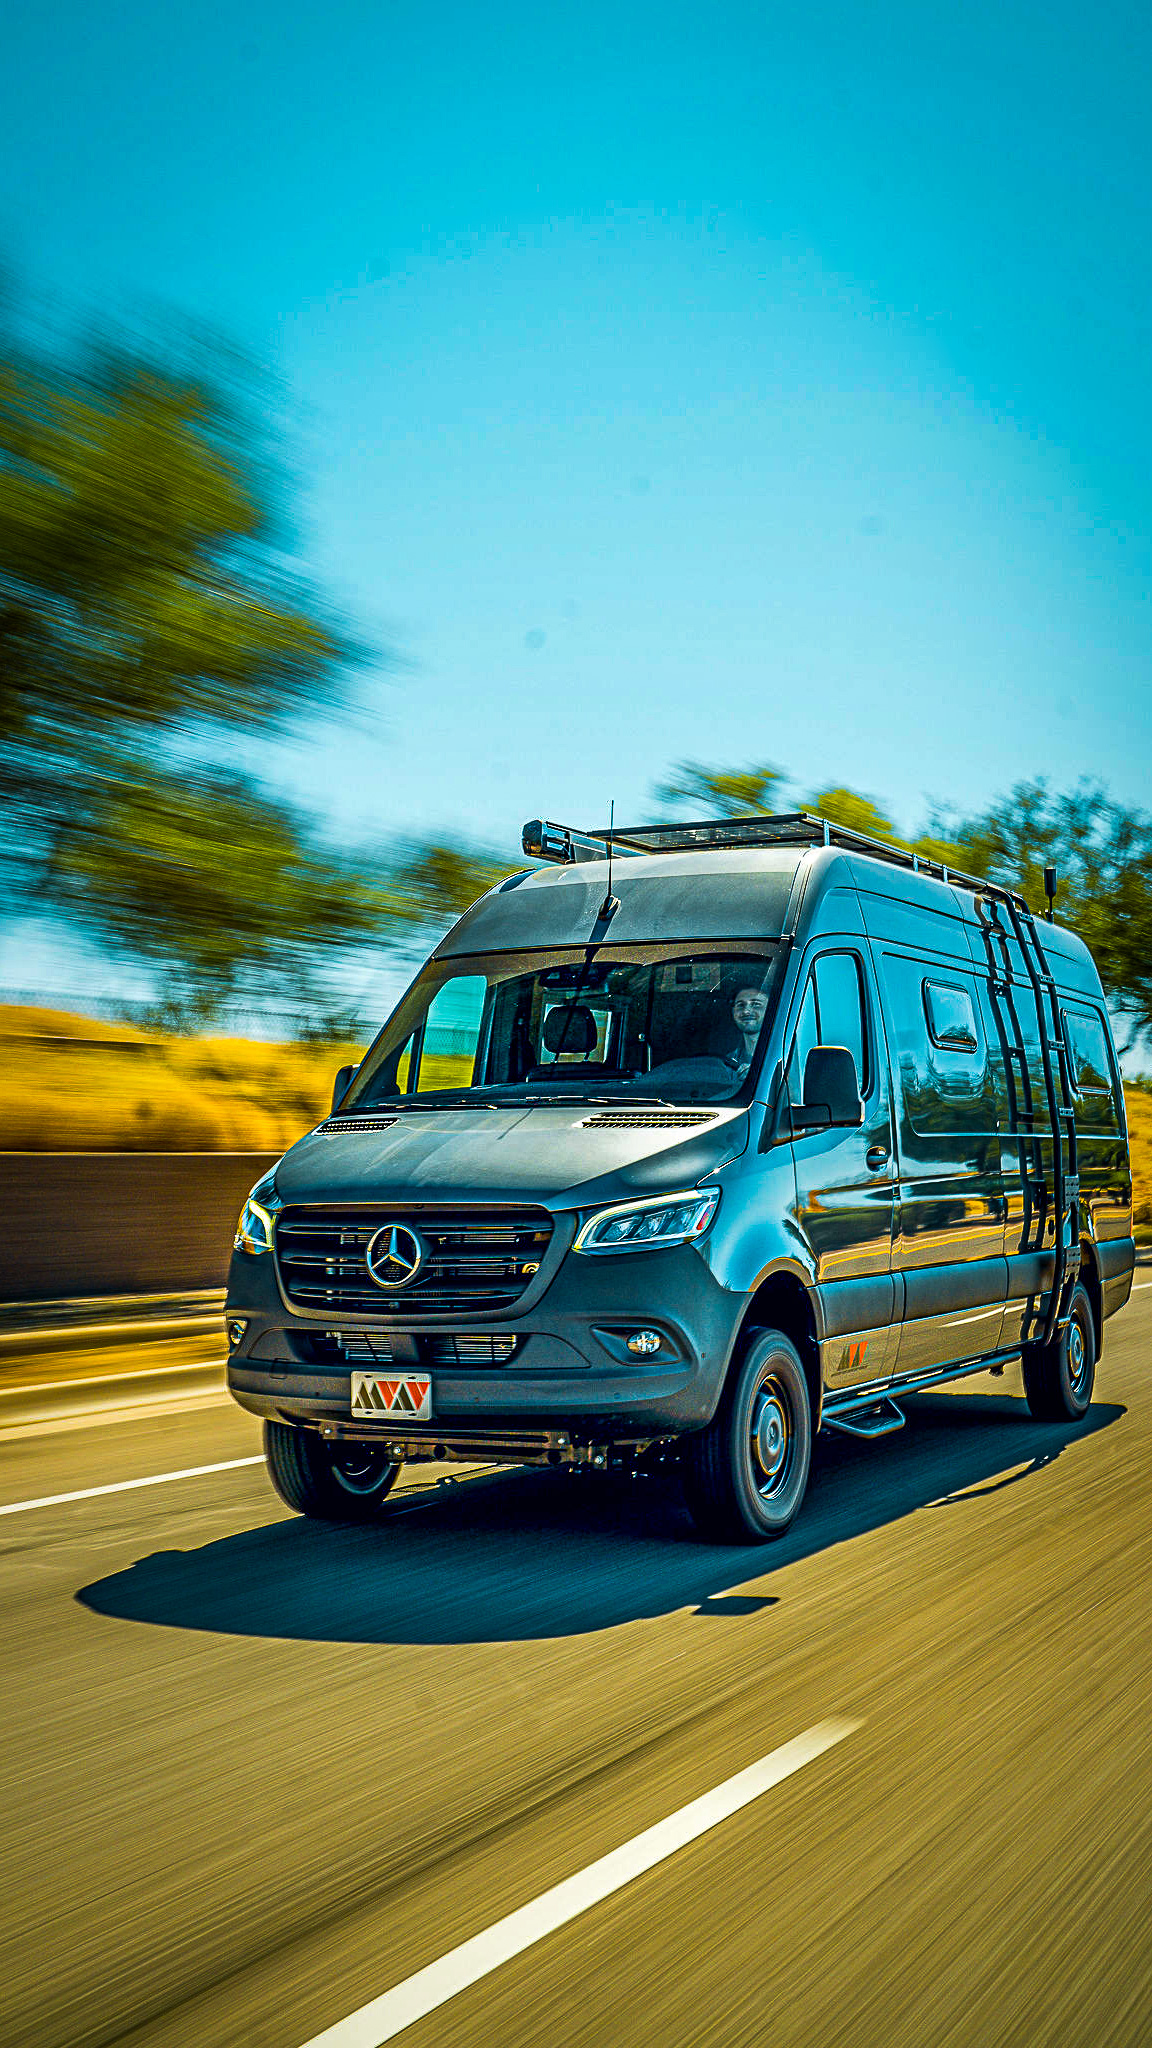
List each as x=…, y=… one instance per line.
x=576, y=1098
x=559, y=1099
x=622, y=1101
x=406, y=1104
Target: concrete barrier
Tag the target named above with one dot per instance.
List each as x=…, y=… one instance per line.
x=113, y=1223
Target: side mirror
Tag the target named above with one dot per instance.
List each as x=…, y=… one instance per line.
x=342, y=1083
x=831, y=1091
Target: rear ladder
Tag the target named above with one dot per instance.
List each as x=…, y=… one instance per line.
x=1022, y=1118
x=1060, y=1094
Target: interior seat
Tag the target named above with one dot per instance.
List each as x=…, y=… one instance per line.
x=570, y=1027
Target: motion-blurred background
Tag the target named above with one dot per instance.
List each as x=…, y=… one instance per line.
x=410, y=425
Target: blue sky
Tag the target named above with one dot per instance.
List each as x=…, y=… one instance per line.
x=728, y=383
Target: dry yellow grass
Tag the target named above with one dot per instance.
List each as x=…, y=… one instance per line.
x=73, y=1084
x=1139, y=1104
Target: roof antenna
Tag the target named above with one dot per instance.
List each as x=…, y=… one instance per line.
x=1050, y=890
x=611, y=904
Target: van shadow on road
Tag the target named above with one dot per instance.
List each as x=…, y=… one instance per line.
x=528, y=1554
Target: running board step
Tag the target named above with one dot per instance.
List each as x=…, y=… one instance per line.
x=881, y=1418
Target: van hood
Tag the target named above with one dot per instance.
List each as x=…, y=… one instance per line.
x=556, y=1156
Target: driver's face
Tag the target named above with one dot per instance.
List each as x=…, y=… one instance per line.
x=748, y=1010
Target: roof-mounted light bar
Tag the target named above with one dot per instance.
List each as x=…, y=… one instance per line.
x=545, y=840
x=542, y=840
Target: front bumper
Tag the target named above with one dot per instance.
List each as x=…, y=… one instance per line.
x=571, y=1372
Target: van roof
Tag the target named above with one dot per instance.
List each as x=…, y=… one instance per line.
x=721, y=893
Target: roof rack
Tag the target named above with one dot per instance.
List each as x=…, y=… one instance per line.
x=544, y=840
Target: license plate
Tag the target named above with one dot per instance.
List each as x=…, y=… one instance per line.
x=407, y=1395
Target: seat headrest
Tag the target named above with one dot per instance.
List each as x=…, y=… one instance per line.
x=570, y=1027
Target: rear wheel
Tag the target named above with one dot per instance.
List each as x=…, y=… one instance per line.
x=332, y=1482
x=746, y=1473
x=1058, y=1377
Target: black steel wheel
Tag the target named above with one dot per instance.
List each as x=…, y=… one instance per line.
x=745, y=1475
x=1059, y=1377
x=332, y=1482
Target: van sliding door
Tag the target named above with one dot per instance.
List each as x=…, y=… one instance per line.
x=844, y=1177
x=949, y=1243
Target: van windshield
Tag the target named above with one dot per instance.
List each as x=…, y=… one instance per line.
x=659, y=1023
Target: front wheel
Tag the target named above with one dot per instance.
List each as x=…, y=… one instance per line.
x=331, y=1482
x=746, y=1473
x=1058, y=1377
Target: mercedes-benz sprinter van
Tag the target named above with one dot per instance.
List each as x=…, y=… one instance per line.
x=685, y=1145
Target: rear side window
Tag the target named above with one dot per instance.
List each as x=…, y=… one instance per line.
x=951, y=1016
x=951, y=1082
x=1092, y=1072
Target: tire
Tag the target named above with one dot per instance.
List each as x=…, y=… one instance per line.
x=745, y=1475
x=331, y=1482
x=1058, y=1377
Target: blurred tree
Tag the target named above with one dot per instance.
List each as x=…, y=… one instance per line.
x=1103, y=854
x=144, y=591
x=227, y=891
x=723, y=792
x=431, y=882
x=754, y=792
x=855, y=812
x=151, y=618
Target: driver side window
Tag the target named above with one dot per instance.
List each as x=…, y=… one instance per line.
x=832, y=1013
x=807, y=1035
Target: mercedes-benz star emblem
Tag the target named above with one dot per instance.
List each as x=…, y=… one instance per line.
x=395, y=1256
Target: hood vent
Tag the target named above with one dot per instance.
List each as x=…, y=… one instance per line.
x=649, y=1120
x=356, y=1123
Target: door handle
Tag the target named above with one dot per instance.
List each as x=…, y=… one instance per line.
x=876, y=1156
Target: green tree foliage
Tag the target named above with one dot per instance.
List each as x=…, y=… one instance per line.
x=144, y=591
x=723, y=792
x=225, y=890
x=151, y=622
x=855, y=812
x=431, y=882
x=1103, y=855
x=753, y=792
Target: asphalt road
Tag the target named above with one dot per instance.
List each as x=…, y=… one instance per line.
x=257, y=1771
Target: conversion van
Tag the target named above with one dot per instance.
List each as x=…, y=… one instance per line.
x=685, y=1145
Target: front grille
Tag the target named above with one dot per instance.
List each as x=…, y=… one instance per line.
x=365, y=1347
x=467, y=1350
x=649, y=1119
x=476, y=1260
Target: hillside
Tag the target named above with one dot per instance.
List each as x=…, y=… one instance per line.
x=74, y=1084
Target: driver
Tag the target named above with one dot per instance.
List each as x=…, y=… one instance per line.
x=748, y=1008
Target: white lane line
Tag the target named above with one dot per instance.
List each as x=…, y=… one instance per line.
x=56, y=1500
x=385, y=2017
x=1138, y=1286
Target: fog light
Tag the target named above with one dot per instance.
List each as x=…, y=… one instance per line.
x=236, y=1329
x=643, y=1342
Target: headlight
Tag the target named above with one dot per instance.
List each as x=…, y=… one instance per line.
x=638, y=1226
x=258, y=1217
